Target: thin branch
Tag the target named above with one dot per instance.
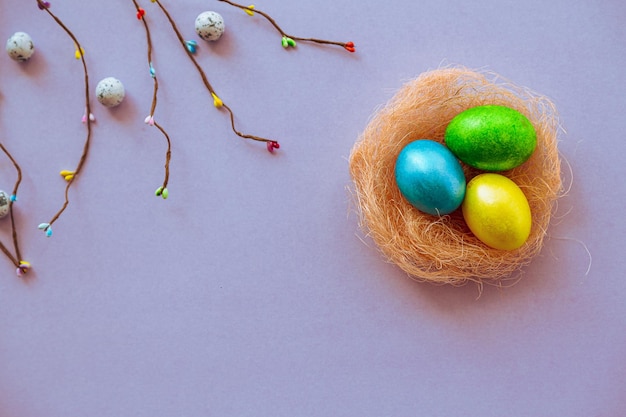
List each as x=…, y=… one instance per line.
x=150, y=119
x=349, y=46
x=216, y=100
x=45, y=7
x=18, y=255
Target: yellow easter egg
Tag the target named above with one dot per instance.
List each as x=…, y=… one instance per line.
x=497, y=211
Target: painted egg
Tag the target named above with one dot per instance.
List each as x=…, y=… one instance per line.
x=110, y=92
x=497, y=211
x=20, y=46
x=5, y=203
x=491, y=138
x=210, y=26
x=430, y=177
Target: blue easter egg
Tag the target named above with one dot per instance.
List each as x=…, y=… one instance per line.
x=430, y=177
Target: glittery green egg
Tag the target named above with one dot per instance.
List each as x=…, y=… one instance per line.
x=491, y=138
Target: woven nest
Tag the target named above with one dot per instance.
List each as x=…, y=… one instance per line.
x=442, y=249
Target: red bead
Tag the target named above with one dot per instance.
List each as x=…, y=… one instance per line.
x=350, y=47
x=140, y=13
x=271, y=145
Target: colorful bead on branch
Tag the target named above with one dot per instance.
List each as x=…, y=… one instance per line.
x=79, y=52
x=192, y=46
x=22, y=268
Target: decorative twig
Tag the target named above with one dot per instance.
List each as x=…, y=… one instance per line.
x=289, y=40
x=162, y=191
x=21, y=266
x=70, y=176
x=190, y=48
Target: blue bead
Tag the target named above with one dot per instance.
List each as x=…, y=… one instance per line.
x=430, y=177
x=191, y=46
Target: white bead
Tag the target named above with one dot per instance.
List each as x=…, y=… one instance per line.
x=20, y=46
x=110, y=92
x=4, y=204
x=210, y=26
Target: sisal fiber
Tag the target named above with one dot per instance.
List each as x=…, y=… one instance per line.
x=442, y=249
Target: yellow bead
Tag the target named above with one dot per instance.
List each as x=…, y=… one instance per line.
x=79, y=53
x=217, y=102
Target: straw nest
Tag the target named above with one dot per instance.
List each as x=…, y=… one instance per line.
x=442, y=249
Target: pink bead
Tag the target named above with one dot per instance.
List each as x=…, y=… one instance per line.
x=271, y=145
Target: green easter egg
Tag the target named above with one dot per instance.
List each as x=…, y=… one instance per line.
x=491, y=138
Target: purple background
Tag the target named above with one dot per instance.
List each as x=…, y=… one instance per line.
x=251, y=291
